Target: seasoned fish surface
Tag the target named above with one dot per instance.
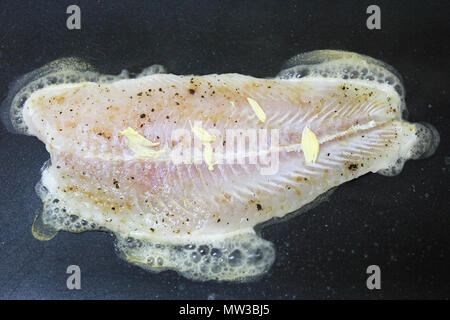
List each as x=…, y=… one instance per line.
x=182, y=168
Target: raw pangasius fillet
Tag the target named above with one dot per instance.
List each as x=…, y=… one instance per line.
x=182, y=168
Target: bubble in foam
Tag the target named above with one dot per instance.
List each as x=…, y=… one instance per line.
x=235, y=258
x=41, y=230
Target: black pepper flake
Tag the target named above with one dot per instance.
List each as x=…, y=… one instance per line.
x=142, y=116
x=259, y=207
x=191, y=91
x=353, y=166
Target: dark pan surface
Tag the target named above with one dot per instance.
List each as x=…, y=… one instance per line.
x=401, y=223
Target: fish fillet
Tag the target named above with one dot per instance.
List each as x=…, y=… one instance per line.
x=178, y=201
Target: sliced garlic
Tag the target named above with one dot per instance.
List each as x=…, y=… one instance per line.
x=310, y=145
x=208, y=156
x=135, y=137
x=139, y=144
x=257, y=109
